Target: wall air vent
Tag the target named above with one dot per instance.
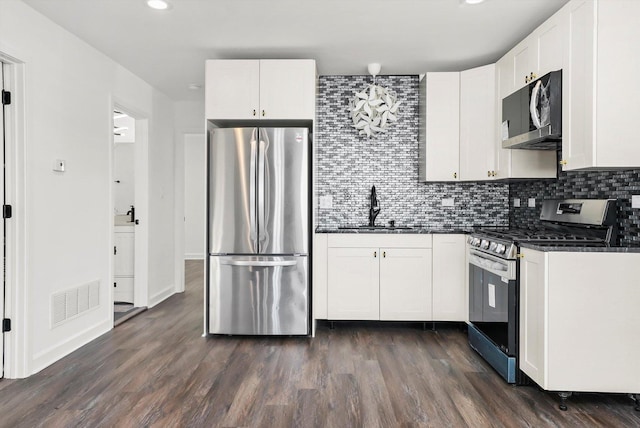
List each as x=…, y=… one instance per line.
x=73, y=302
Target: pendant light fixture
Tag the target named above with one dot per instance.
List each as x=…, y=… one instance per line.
x=374, y=108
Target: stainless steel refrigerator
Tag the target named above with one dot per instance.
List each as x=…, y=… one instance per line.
x=258, y=231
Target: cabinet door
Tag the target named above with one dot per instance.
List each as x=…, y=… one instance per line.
x=442, y=117
x=532, y=314
x=353, y=284
x=578, y=87
x=320, y=276
x=450, y=283
x=477, y=123
x=232, y=89
x=405, y=284
x=124, y=254
x=524, y=62
x=548, y=41
x=123, y=290
x=287, y=89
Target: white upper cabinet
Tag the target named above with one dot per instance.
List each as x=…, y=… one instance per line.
x=477, y=123
x=439, y=130
x=260, y=89
x=601, y=85
x=457, y=133
x=538, y=54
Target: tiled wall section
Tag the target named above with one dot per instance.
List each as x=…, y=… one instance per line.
x=582, y=184
x=349, y=164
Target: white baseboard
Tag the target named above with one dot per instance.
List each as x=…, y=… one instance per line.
x=194, y=256
x=49, y=356
x=162, y=295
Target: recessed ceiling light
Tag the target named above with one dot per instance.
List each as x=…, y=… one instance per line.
x=158, y=4
x=472, y=1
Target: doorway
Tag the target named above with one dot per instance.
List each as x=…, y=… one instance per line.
x=128, y=200
x=4, y=220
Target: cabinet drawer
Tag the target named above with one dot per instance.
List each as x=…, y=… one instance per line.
x=407, y=240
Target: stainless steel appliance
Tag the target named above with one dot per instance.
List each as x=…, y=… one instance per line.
x=532, y=116
x=258, y=231
x=494, y=272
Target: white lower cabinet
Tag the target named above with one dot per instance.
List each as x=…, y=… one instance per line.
x=379, y=277
x=579, y=319
x=123, y=264
x=450, y=282
x=404, y=277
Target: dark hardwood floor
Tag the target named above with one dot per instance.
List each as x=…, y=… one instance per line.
x=157, y=370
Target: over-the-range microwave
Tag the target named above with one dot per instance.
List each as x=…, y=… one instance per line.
x=532, y=116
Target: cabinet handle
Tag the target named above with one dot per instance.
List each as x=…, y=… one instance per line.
x=254, y=112
x=375, y=254
x=493, y=173
x=384, y=254
x=455, y=175
x=563, y=162
x=488, y=173
x=262, y=113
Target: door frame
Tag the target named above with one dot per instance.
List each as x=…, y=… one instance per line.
x=16, y=343
x=141, y=201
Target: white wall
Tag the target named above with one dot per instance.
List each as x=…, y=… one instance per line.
x=68, y=216
x=189, y=121
x=194, y=197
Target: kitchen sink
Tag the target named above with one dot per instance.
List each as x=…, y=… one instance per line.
x=376, y=227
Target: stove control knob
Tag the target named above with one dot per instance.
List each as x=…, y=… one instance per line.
x=500, y=249
x=484, y=244
x=469, y=239
x=493, y=246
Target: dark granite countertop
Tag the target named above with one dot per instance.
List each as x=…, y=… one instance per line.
x=579, y=249
x=412, y=229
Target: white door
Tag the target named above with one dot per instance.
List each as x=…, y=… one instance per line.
x=287, y=89
x=194, y=196
x=2, y=247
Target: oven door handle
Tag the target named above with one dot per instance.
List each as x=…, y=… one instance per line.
x=497, y=266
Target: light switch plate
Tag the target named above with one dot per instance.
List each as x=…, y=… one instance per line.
x=448, y=202
x=58, y=165
x=516, y=202
x=326, y=202
x=635, y=201
x=532, y=202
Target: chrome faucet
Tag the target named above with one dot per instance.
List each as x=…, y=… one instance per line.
x=374, y=207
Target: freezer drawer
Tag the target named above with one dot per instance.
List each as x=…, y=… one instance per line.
x=258, y=295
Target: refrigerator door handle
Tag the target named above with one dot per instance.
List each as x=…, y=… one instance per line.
x=261, y=193
x=260, y=263
x=252, y=195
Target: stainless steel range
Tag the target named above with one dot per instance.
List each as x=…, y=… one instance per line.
x=494, y=272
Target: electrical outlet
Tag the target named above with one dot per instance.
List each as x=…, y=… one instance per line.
x=532, y=202
x=326, y=202
x=448, y=202
x=635, y=201
x=516, y=202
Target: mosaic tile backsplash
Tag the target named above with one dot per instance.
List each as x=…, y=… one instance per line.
x=619, y=185
x=349, y=164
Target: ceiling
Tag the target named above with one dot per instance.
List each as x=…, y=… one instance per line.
x=168, y=48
